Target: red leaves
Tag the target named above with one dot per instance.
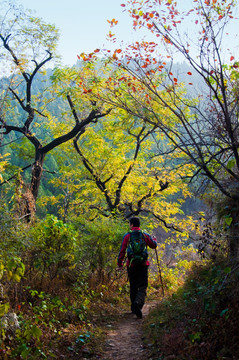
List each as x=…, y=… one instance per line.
x=123, y=5
x=85, y=91
x=84, y=57
x=148, y=98
x=110, y=34
x=167, y=40
x=232, y=58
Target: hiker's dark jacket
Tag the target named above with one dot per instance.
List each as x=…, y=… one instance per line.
x=148, y=240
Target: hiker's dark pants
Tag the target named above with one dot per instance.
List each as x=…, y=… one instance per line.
x=138, y=280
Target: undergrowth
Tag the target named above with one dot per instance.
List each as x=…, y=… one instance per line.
x=200, y=320
x=58, y=298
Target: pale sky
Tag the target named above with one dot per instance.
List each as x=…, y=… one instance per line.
x=83, y=23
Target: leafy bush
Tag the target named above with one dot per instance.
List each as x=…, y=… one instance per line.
x=101, y=240
x=199, y=319
x=53, y=250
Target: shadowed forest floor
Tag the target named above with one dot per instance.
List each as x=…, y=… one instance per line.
x=125, y=338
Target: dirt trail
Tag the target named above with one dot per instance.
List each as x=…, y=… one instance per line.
x=124, y=340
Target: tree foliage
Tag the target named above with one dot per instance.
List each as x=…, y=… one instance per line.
x=28, y=44
x=202, y=130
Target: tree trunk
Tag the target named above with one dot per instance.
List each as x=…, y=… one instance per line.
x=27, y=198
x=37, y=170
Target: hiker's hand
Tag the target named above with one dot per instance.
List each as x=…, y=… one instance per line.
x=154, y=238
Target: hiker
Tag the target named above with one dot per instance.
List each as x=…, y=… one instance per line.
x=136, y=242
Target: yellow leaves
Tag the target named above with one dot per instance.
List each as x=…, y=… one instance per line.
x=112, y=22
x=88, y=57
x=4, y=308
x=3, y=164
x=13, y=268
x=109, y=146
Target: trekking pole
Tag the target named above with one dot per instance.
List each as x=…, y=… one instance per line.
x=160, y=272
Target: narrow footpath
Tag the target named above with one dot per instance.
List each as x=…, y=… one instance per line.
x=124, y=340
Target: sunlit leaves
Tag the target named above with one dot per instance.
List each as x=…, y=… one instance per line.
x=3, y=164
x=108, y=148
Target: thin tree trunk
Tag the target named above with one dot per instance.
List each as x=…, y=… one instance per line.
x=37, y=170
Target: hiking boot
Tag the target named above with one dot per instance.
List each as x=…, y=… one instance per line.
x=136, y=310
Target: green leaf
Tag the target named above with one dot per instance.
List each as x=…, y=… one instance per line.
x=195, y=336
x=4, y=309
x=223, y=312
x=16, y=278
x=231, y=164
x=228, y=220
x=36, y=332
x=227, y=270
x=1, y=270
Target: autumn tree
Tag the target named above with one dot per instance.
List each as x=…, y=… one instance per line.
x=27, y=46
x=124, y=179
x=119, y=170
x=203, y=127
